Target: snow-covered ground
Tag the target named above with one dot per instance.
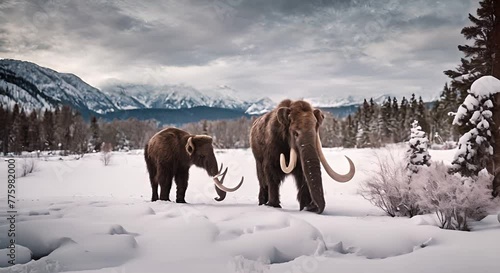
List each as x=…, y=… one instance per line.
x=79, y=215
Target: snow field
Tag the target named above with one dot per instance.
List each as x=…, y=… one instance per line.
x=82, y=216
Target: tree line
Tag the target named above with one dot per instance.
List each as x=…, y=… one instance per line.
x=373, y=125
x=65, y=130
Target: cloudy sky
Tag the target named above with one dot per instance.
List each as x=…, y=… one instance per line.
x=275, y=48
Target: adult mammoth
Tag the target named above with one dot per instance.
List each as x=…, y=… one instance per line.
x=290, y=133
x=171, y=152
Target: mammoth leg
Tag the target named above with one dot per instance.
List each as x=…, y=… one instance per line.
x=165, y=179
x=303, y=194
x=151, y=166
x=154, y=188
x=154, y=183
x=273, y=179
x=181, y=182
x=263, y=192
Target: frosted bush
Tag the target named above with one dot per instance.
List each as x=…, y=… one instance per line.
x=454, y=199
x=390, y=188
x=106, y=153
x=28, y=165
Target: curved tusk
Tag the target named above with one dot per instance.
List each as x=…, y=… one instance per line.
x=292, y=163
x=221, y=174
x=221, y=193
x=226, y=189
x=190, y=146
x=338, y=177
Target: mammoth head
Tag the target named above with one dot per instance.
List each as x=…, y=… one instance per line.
x=201, y=153
x=302, y=123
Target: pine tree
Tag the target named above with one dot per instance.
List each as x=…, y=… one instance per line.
x=48, y=130
x=418, y=155
x=413, y=108
x=374, y=125
x=95, y=139
x=475, y=146
x=14, y=142
x=386, y=113
x=4, y=130
x=478, y=60
x=34, y=132
x=405, y=123
x=63, y=129
x=394, y=125
x=349, y=133
x=24, y=131
x=441, y=114
x=363, y=136
x=421, y=115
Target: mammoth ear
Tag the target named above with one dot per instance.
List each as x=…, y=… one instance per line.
x=319, y=116
x=282, y=116
x=190, y=146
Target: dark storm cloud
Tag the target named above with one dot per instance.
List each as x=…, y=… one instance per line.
x=260, y=46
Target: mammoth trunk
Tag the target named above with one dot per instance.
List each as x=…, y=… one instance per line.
x=311, y=167
x=211, y=166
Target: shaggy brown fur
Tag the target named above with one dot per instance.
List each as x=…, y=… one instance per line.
x=166, y=159
x=291, y=124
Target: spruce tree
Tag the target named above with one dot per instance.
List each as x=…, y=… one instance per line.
x=14, y=142
x=421, y=115
x=95, y=142
x=442, y=112
x=478, y=59
x=349, y=133
x=412, y=112
x=363, y=136
x=374, y=126
x=385, y=113
x=403, y=120
x=417, y=154
x=395, y=127
x=48, y=134
x=34, y=132
x=4, y=130
x=475, y=146
x=24, y=138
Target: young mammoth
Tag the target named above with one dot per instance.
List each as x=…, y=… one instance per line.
x=171, y=152
x=291, y=133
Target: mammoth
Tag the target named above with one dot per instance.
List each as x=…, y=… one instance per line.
x=290, y=133
x=171, y=152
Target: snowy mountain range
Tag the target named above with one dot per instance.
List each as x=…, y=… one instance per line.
x=134, y=96
x=38, y=87
x=343, y=102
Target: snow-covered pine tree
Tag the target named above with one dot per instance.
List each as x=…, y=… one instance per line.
x=417, y=154
x=475, y=146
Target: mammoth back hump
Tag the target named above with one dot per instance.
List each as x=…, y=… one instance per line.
x=166, y=144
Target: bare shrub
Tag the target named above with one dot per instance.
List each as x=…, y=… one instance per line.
x=106, y=153
x=390, y=188
x=455, y=200
x=28, y=165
